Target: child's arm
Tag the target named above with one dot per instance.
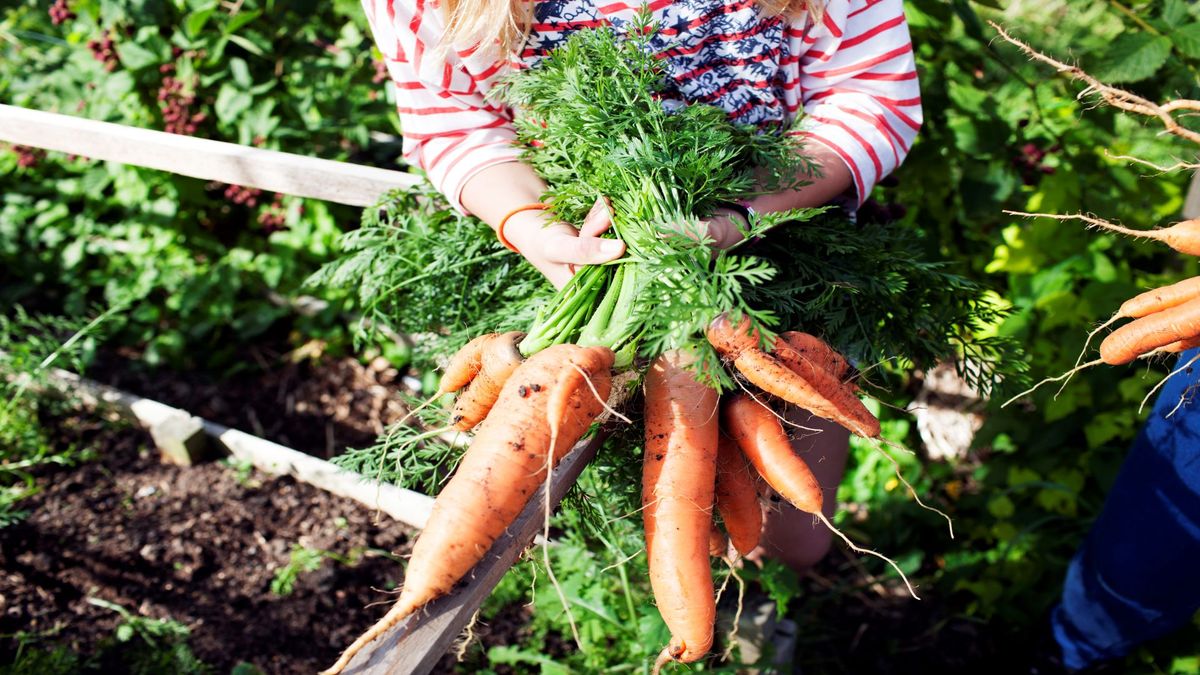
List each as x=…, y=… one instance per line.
x=859, y=88
x=859, y=93
x=465, y=142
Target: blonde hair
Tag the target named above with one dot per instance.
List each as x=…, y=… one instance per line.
x=506, y=23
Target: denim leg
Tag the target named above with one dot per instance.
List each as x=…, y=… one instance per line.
x=1137, y=575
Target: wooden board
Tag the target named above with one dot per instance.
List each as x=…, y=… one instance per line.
x=282, y=172
x=409, y=507
x=415, y=645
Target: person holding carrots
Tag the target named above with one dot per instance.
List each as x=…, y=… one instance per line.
x=846, y=65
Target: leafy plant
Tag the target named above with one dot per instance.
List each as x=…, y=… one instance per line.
x=29, y=347
x=210, y=267
x=151, y=646
x=301, y=560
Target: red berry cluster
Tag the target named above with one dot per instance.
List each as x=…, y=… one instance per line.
x=27, y=157
x=176, y=103
x=60, y=12
x=273, y=217
x=1029, y=162
x=104, y=51
x=243, y=196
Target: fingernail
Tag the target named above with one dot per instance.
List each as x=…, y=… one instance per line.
x=611, y=247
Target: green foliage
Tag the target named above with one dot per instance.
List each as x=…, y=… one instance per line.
x=204, y=265
x=302, y=559
x=417, y=266
x=29, y=347
x=139, y=645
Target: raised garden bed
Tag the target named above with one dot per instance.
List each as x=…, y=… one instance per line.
x=201, y=546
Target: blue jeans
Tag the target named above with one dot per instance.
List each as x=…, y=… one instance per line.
x=1137, y=575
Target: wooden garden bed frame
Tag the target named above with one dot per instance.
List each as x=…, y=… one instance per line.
x=417, y=644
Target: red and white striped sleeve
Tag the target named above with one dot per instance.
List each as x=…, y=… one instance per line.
x=449, y=129
x=859, y=90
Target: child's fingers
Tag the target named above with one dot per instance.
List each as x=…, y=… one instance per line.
x=598, y=220
x=581, y=250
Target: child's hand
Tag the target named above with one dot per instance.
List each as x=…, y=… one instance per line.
x=555, y=248
x=726, y=228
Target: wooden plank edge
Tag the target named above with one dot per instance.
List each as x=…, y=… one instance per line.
x=416, y=644
x=409, y=507
x=271, y=170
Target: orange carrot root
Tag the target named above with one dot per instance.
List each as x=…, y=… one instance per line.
x=1158, y=299
x=464, y=365
x=814, y=350
x=760, y=436
x=1151, y=332
x=504, y=465
x=737, y=497
x=730, y=340
x=718, y=543
x=498, y=359
x=826, y=398
x=678, y=483
x=768, y=374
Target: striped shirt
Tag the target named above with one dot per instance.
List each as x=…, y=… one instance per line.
x=852, y=73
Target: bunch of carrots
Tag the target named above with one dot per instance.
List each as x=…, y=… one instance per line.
x=690, y=322
x=701, y=454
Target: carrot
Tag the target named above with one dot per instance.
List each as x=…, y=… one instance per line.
x=498, y=359
x=718, y=543
x=1148, y=333
x=1183, y=236
x=464, y=365
x=737, y=497
x=815, y=350
x=830, y=400
x=730, y=340
x=504, y=465
x=757, y=431
x=840, y=394
x=1158, y=299
x=678, y=482
x=825, y=398
x=1181, y=345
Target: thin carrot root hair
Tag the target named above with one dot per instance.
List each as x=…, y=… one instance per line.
x=561, y=391
x=1162, y=382
x=1165, y=349
x=911, y=490
x=607, y=408
x=731, y=637
x=858, y=549
x=466, y=638
x=895, y=446
x=1056, y=378
x=1083, y=352
x=862, y=373
x=1183, y=398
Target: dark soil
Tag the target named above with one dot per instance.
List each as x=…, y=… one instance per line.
x=319, y=406
x=199, y=545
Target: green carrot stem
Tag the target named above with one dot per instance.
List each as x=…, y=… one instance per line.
x=597, y=326
x=573, y=302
